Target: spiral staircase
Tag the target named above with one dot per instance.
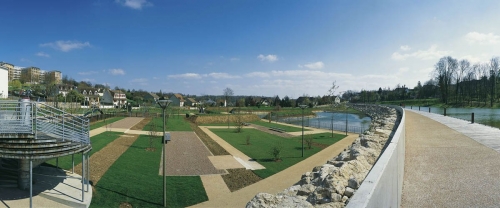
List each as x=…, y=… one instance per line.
x=32, y=133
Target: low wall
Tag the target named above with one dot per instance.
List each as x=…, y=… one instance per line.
x=383, y=185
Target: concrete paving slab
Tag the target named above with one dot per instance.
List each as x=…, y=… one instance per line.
x=279, y=181
x=62, y=191
x=248, y=162
x=225, y=162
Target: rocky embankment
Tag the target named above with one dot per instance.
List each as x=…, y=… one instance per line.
x=334, y=183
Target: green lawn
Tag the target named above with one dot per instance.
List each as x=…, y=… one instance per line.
x=174, y=123
x=275, y=125
x=262, y=142
x=102, y=123
x=98, y=142
x=134, y=179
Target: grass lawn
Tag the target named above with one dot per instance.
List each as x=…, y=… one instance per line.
x=134, y=179
x=286, y=128
x=98, y=142
x=102, y=123
x=262, y=142
x=174, y=123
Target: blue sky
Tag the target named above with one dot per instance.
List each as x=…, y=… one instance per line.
x=253, y=47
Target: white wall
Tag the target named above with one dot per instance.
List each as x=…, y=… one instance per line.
x=4, y=83
x=383, y=186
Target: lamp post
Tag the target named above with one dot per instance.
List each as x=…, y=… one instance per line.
x=346, y=119
x=302, y=107
x=164, y=104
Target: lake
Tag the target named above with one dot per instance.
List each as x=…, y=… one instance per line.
x=356, y=123
x=486, y=116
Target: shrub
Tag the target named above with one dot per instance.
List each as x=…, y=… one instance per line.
x=276, y=151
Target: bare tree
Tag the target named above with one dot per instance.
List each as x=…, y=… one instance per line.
x=228, y=93
x=494, y=67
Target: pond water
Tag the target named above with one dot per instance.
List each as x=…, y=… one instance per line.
x=486, y=116
x=355, y=123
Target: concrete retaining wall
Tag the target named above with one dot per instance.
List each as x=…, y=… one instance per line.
x=383, y=186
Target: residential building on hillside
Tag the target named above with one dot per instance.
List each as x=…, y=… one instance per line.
x=52, y=77
x=30, y=75
x=151, y=97
x=4, y=82
x=114, y=97
x=92, y=96
x=177, y=100
x=190, y=102
x=10, y=68
x=16, y=73
x=63, y=89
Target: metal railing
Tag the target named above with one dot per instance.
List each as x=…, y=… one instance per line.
x=42, y=121
x=15, y=117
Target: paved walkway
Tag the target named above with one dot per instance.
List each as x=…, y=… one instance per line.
x=445, y=167
x=279, y=181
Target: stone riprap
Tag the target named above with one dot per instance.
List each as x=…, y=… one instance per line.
x=334, y=183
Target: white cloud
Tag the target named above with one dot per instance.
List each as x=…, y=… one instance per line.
x=134, y=4
x=258, y=74
x=269, y=58
x=405, y=48
x=221, y=76
x=235, y=59
x=88, y=80
x=66, y=46
x=431, y=53
x=87, y=73
x=315, y=65
x=42, y=54
x=482, y=38
x=116, y=71
x=185, y=76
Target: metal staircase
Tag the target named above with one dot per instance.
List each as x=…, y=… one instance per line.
x=32, y=132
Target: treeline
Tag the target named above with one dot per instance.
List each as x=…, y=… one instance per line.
x=460, y=82
x=453, y=81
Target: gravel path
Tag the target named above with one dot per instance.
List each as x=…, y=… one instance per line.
x=187, y=156
x=102, y=160
x=445, y=168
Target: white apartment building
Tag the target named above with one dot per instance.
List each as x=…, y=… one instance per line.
x=4, y=82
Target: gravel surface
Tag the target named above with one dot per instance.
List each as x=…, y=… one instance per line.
x=188, y=156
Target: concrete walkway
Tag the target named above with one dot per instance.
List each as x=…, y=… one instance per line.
x=238, y=155
x=279, y=181
x=446, y=168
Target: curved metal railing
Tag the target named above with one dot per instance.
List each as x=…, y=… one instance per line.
x=26, y=117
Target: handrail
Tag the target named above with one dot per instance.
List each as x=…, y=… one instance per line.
x=41, y=120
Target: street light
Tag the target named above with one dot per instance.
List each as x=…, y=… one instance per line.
x=164, y=104
x=346, y=122
x=302, y=107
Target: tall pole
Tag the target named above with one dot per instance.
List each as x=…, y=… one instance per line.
x=302, y=132
x=346, y=120
x=164, y=162
x=332, y=120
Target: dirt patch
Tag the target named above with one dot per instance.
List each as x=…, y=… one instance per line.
x=102, y=160
x=213, y=146
x=142, y=124
x=125, y=205
x=240, y=178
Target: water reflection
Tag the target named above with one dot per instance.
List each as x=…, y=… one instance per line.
x=486, y=116
x=324, y=120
